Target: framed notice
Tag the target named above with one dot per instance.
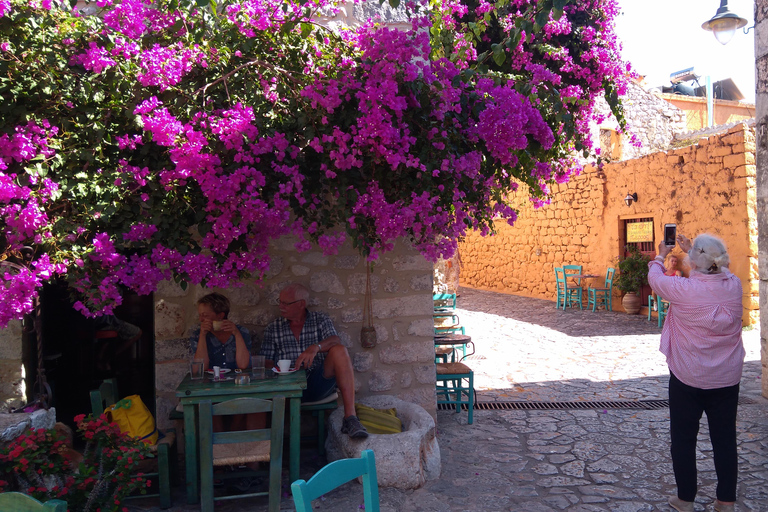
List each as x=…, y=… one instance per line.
x=639, y=232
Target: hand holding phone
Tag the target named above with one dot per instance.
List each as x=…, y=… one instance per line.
x=670, y=234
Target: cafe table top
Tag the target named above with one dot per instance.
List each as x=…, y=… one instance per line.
x=452, y=339
x=194, y=391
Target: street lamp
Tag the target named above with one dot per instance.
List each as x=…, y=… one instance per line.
x=724, y=23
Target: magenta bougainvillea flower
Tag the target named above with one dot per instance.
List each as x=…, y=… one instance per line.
x=147, y=140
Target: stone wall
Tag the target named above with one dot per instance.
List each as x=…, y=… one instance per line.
x=402, y=363
x=12, y=386
x=695, y=108
x=653, y=121
x=707, y=187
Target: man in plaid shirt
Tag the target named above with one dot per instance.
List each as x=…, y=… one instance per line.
x=309, y=339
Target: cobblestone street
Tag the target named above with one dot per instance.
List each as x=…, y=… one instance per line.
x=599, y=459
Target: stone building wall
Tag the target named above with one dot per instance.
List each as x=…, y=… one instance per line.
x=695, y=108
x=706, y=187
x=653, y=121
x=401, y=364
x=12, y=388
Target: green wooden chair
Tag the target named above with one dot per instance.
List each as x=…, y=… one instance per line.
x=663, y=310
x=566, y=294
x=241, y=447
x=18, y=502
x=335, y=474
x=574, y=293
x=165, y=451
x=602, y=296
x=444, y=302
x=451, y=389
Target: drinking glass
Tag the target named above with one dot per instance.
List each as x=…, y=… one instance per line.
x=196, y=369
x=257, y=366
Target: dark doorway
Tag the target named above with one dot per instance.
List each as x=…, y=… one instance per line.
x=78, y=356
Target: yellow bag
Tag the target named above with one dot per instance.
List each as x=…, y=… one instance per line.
x=379, y=421
x=134, y=418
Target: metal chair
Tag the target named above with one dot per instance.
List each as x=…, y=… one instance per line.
x=335, y=474
x=18, y=502
x=444, y=302
x=604, y=295
x=241, y=447
x=164, y=451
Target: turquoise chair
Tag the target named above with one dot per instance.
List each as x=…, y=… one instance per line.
x=164, y=451
x=335, y=474
x=568, y=295
x=18, y=502
x=241, y=447
x=574, y=292
x=451, y=389
x=604, y=295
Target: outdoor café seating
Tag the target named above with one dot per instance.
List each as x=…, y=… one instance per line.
x=241, y=447
x=336, y=474
x=455, y=386
x=661, y=305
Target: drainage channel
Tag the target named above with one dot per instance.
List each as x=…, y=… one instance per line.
x=608, y=404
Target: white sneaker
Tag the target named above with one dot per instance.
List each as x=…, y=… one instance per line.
x=680, y=505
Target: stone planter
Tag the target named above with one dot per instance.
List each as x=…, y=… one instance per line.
x=631, y=303
x=406, y=460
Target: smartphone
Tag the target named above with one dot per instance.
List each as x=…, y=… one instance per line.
x=670, y=235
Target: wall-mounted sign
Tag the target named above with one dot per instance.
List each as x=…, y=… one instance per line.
x=639, y=232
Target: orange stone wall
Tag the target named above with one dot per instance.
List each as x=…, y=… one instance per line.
x=707, y=187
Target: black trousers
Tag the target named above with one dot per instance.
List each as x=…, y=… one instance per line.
x=686, y=404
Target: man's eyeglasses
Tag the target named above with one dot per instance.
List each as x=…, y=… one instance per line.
x=281, y=303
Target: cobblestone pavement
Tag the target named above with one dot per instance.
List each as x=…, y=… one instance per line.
x=563, y=459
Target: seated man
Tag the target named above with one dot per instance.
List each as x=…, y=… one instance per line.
x=309, y=339
x=227, y=346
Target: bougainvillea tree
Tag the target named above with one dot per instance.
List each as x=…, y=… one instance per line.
x=145, y=140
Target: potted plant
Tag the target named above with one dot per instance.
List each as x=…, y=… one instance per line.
x=633, y=274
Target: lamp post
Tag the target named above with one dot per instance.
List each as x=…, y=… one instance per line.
x=724, y=23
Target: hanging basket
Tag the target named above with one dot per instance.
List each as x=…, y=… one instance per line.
x=368, y=333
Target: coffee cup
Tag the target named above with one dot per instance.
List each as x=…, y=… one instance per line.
x=218, y=325
x=284, y=365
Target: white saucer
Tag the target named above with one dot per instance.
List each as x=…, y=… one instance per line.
x=222, y=371
x=283, y=373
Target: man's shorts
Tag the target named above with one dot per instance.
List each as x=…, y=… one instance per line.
x=318, y=387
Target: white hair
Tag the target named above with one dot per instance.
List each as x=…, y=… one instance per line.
x=708, y=254
x=300, y=292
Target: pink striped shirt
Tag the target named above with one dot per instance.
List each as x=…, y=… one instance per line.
x=702, y=333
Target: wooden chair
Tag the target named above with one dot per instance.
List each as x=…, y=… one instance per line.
x=18, y=502
x=335, y=474
x=241, y=447
x=663, y=310
x=566, y=294
x=574, y=293
x=165, y=451
x=451, y=389
x=604, y=295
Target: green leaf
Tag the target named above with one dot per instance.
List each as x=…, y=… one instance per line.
x=394, y=3
x=499, y=58
x=306, y=29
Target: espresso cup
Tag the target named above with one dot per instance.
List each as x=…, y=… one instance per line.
x=284, y=365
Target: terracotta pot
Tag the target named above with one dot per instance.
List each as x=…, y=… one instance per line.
x=631, y=302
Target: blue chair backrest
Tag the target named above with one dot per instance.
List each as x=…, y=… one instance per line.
x=609, y=277
x=18, y=502
x=444, y=300
x=335, y=474
x=103, y=397
x=572, y=269
x=560, y=277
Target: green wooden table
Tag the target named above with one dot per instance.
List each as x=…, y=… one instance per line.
x=192, y=392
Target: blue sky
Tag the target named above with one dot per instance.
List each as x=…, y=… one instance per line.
x=659, y=45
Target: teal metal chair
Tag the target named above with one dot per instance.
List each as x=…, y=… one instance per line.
x=575, y=293
x=241, y=447
x=18, y=502
x=335, y=474
x=651, y=302
x=451, y=389
x=164, y=451
x=602, y=296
